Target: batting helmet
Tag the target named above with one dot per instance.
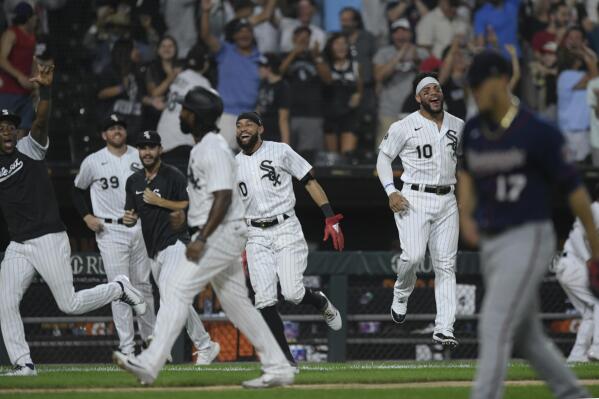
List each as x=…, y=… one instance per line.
x=205, y=103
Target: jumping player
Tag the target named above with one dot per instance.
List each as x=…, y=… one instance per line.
x=512, y=161
x=425, y=211
x=152, y=195
x=571, y=274
x=276, y=249
x=104, y=173
x=216, y=214
x=39, y=242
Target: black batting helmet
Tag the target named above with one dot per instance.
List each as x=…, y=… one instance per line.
x=205, y=103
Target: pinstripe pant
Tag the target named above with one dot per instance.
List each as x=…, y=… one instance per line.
x=50, y=256
x=513, y=265
x=124, y=252
x=219, y=265
x=277, y=253
x=163, y=266
x=430, y=220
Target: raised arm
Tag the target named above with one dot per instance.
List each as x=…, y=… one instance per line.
x=39, y=127
x=212, y=42
x=266, y=14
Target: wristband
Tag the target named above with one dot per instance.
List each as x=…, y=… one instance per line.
x=45, y=93
x=327, y=210
x=390, y=188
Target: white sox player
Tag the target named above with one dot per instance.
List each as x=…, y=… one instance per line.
x=571, y=272
x=425, y=210
x=39, y=243
x=216, y=213
x=123, y=251
x=276, y=250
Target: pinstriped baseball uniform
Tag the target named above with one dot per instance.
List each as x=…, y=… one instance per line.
x=572, y=274
x=277, y=253
x=212, y=168
x=122, y=248
x=428, y=155
x=38, y=244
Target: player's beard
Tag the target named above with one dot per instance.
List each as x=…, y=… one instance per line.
x=185, y=127
x=152, y=162
x=427, y=107
x=250, y=144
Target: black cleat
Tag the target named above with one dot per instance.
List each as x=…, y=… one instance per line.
x=445, y=340
x=398, y=318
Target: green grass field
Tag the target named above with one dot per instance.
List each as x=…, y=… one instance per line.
x=380, y=380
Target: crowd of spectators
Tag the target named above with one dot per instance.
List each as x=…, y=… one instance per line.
x=328, y=77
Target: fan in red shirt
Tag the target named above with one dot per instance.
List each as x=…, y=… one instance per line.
x=560, y=18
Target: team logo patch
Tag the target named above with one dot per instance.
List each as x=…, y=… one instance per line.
x=7, y=173
x=195, y=182
x=271, y=173
x=135, y=167
x=453, y=138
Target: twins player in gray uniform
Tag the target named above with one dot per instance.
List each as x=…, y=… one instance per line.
x=104, y=173
x=276, y=250
x=217, y=216
x=39, y=243
x=425, y=211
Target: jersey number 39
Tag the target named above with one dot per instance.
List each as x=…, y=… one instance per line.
x=510, y=187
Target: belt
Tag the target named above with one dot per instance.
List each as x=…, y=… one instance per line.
x=193, y=230
x=267, y=223
x=114, y=221
x=564, y=255
x=439, y=190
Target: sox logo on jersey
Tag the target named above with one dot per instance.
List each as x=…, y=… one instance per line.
x=271, y=173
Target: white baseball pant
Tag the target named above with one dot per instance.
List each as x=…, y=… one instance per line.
x=219, y=265
x=277, y=253
x=50, y=256
x=571, y=272
x=124, y=252
x=430, y=220
x=163, y=265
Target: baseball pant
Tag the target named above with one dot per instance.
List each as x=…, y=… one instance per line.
x=220, y=265
x=431, y=220
x=513, y=265
x=277, y=254
x=50, y=256
x=124, y=252
x=163, y=265
x=571, y=272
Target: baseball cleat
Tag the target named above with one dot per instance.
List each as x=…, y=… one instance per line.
x=131, y=296
x=267, y=380
x=330, y=314
x=207, y=355
x=21, y=370
x=145, y=344
x=578, y=359
x=398, y=311
x=445, y=340
x=132, y=365
x=593, y=355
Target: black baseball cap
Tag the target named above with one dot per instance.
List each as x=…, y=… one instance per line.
x=6, y=115
x=253, y=116
x=149, y=137
x=111, y=120
x=488, y=64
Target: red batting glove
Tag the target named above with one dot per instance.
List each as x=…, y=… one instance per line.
x=333, y=230
x=593, y=267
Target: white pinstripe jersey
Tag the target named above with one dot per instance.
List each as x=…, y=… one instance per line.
x=265, y=179
x=211, y=168
x=577, y=243
x=428, y=155
x=105, y=175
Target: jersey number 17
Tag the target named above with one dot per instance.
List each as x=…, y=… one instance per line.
x=509, y=187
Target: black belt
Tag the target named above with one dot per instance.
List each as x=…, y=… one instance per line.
x=267, y=223
x=193, y=230
x=439, y=190
x=114, y=221
x=564, y=255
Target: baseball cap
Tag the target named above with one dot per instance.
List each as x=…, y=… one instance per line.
x=197, y=57
x=23, y=10
x=6, y=115
x=111, y=120
x=149, y=137
x=252, y=116
x=487, y=64
x=401, y=23
x=549, y=47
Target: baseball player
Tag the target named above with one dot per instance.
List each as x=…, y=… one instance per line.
x=276, y=249
x=216, y=215
x=512, y=160
x=571, y=274
x=105, y=173
x=39, y=242
x=152, y=194
x=425, y=210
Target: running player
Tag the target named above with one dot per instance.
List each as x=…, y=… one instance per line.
x=216, y=215
x=276, y=250
x=39, y=242
x=104, y=174
x=425, y=210
x=512, y=160
x=152, y=194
